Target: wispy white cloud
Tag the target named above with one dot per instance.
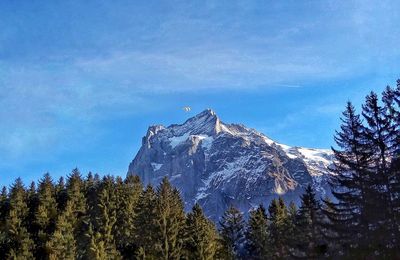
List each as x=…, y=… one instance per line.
x=194, y=69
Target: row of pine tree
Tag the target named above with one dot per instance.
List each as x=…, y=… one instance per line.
x=111, y=218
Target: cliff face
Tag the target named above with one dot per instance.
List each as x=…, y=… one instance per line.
x=218, y=164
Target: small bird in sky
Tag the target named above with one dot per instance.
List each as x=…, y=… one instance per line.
x=186, y=109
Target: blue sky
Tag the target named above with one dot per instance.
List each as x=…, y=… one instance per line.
x=80, y=81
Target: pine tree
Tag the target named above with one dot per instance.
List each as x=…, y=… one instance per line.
x=391, y=99
x=91, y=191
x=352, y=186
x=257, y=246
x=4, y=209
x=106, y=219
x=279, y=238
x=366, y=177
x=75, y=193
x=32, y=203
x=4, y=204
x=45, y=214
x=145, y=223
x=128, y=196
x=232, y=230
x=62, y=244
x=61, y=194
x=201, y=237
x=291, y=226
x=97, y=248
x=381, y=133
x=20, y=244
x=170, y=222
x=329, y=232
x=310, y=243
x=76, y=197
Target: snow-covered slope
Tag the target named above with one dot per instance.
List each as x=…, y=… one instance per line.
x=218, y=164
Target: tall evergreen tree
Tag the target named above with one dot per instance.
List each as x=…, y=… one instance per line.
x=61, y=194
x=170, y=222
x=279, y=225
x=76, y=197
x=4, y=208
x=45, y=214
x=106, y=218
x=32, y=202
x=352, y=185
x=62, y=244
x=145, y=222
x=310, y=241
x=201, y=237
x=257, y=245
x=4, y=205
x=291, y=227
x=378, y=137
x=91, y=191
x=96, y=249
x=381, y=133
x=128, y=197
x=391, y=99
x=366, y=177
x=232, y=230
x=75, y=193
x=19, y=243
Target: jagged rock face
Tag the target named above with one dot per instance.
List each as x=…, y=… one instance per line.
x=218, y=164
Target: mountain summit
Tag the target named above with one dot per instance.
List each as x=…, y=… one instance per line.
x=217, y=164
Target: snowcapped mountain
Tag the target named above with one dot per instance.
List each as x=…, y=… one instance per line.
x=218, y=164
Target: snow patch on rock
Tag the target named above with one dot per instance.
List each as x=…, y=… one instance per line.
x=175, y=141
x=156, y=166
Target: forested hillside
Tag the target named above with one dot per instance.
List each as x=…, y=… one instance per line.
x=112, y=218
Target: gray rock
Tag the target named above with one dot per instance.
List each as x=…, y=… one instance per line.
x=217, y=164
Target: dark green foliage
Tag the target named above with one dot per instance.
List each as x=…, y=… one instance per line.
x=4, y=204
x=367, y=177
x=97, y=248
x=201, y=237
x=128, y=197
x=98, y=219
x=32, y=203
x=145, y=224
x=19, y=244
x=391, y=99
x=62, y=243
x=75, y=193
x=232, y=233
x=279, y=226
x=169, y=222
x=4, y=208
x=45, y=214
x=352, y=184
x=257, y=235
x=309, y=242
x=61, y=194
x=101, y=233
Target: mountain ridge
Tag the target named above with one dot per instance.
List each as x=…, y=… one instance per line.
x=217, y=164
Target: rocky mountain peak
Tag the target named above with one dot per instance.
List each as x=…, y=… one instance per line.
x=207, y=113
x=205, y=123
x=217, y=164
